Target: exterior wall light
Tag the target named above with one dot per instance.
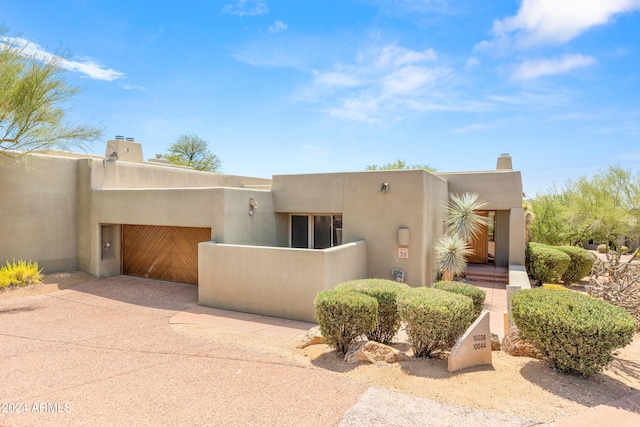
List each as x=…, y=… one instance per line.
x=384, y=187
x=253, y=205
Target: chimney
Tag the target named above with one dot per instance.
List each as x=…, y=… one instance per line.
x=504, y=162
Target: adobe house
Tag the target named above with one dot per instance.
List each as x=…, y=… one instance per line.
x=264, y=246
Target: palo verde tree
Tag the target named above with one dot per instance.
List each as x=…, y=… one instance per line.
x=191, y=150
x=34, y=95
x=605, y=207
x=399, y=164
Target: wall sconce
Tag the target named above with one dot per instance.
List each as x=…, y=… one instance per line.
x=253, y=205
x=403, y=236
x=384, y=187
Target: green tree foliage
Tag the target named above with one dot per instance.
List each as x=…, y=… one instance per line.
x=191, y=150
x=33, y=103
x=605, y=207
x=400, y=165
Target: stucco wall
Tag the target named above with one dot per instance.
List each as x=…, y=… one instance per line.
x=39, y=212
x=224, y=210
x=280, y=282
x=501, y=190
x=413, y=200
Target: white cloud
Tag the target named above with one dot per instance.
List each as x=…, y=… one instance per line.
x=541, y=22
x=133, y=87
x=529, y=70
x=472, y=62
x=83, y=65
x=335, y=78
x=470, y=128
x=393, y=55
x=246, y=8
x=277, y=27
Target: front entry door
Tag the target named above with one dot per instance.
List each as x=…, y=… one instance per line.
x=480, y=244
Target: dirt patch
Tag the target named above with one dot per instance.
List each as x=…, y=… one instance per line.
x=519, y=386
x=51, y=283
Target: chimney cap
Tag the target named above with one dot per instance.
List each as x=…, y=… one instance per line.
x=119, y=137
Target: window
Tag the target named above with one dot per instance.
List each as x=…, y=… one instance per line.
x=315, y=231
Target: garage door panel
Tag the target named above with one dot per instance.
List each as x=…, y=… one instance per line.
x=162, y=252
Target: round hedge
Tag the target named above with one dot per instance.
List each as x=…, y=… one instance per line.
x=476, y=294
x=576, y=332
x=385, y=292
x=434, y=319
x=344, y=316
x=579, y=265
x=545, y=263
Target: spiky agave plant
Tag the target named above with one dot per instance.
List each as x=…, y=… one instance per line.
x=451, y=255
x=462, y=216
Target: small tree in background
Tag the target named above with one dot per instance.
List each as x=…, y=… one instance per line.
x=33, y=94
x=400, y=165
x=191, y=150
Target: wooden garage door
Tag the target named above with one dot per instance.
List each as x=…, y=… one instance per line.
x=163, y=253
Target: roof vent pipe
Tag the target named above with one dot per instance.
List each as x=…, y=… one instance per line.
x=504, y=162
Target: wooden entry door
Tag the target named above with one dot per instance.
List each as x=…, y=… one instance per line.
x=161, y=252
x=480, y=244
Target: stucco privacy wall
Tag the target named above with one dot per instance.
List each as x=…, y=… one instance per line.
x=413, y=200
x=39, y=211
x=279, y=282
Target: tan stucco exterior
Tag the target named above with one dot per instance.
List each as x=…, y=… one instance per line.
x=61, y=209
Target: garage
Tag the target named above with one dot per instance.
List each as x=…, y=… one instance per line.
x=162, y=252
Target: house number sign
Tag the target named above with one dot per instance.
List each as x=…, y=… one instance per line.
x=403, y=253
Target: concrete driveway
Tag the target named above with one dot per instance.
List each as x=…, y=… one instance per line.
x=103, y=353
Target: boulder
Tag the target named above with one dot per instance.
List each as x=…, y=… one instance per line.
x=312, y=337
x=373, y=352
x=495, y=342
x=515, y=346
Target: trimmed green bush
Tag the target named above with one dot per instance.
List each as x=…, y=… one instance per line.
x=579, y=265
x=576, y=332
x=476, y=294
x=603, y=249
x=545, y=263
x=344, y=316
x=385, y=292
x=434, y=319
x=20, y=273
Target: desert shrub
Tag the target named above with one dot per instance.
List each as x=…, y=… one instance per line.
x=20, y=273
x=385, y=292
x=576, y=332
x=476, y=294
x=545, y=263
x=554, y=287
x=434, y=318
x=603, y=249
x=579, y=265
x=343, y=316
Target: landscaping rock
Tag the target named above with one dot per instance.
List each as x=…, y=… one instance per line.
x=515, y=346
x=495, y=342
x=312, y=337
x=372, y=352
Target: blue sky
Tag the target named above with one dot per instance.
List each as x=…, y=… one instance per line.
x=280, y=87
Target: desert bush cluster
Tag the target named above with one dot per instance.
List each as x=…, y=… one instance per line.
x=433, y=318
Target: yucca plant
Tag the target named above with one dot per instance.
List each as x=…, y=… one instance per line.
x=462, y=216
x=452, y=252
x=463, y=225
